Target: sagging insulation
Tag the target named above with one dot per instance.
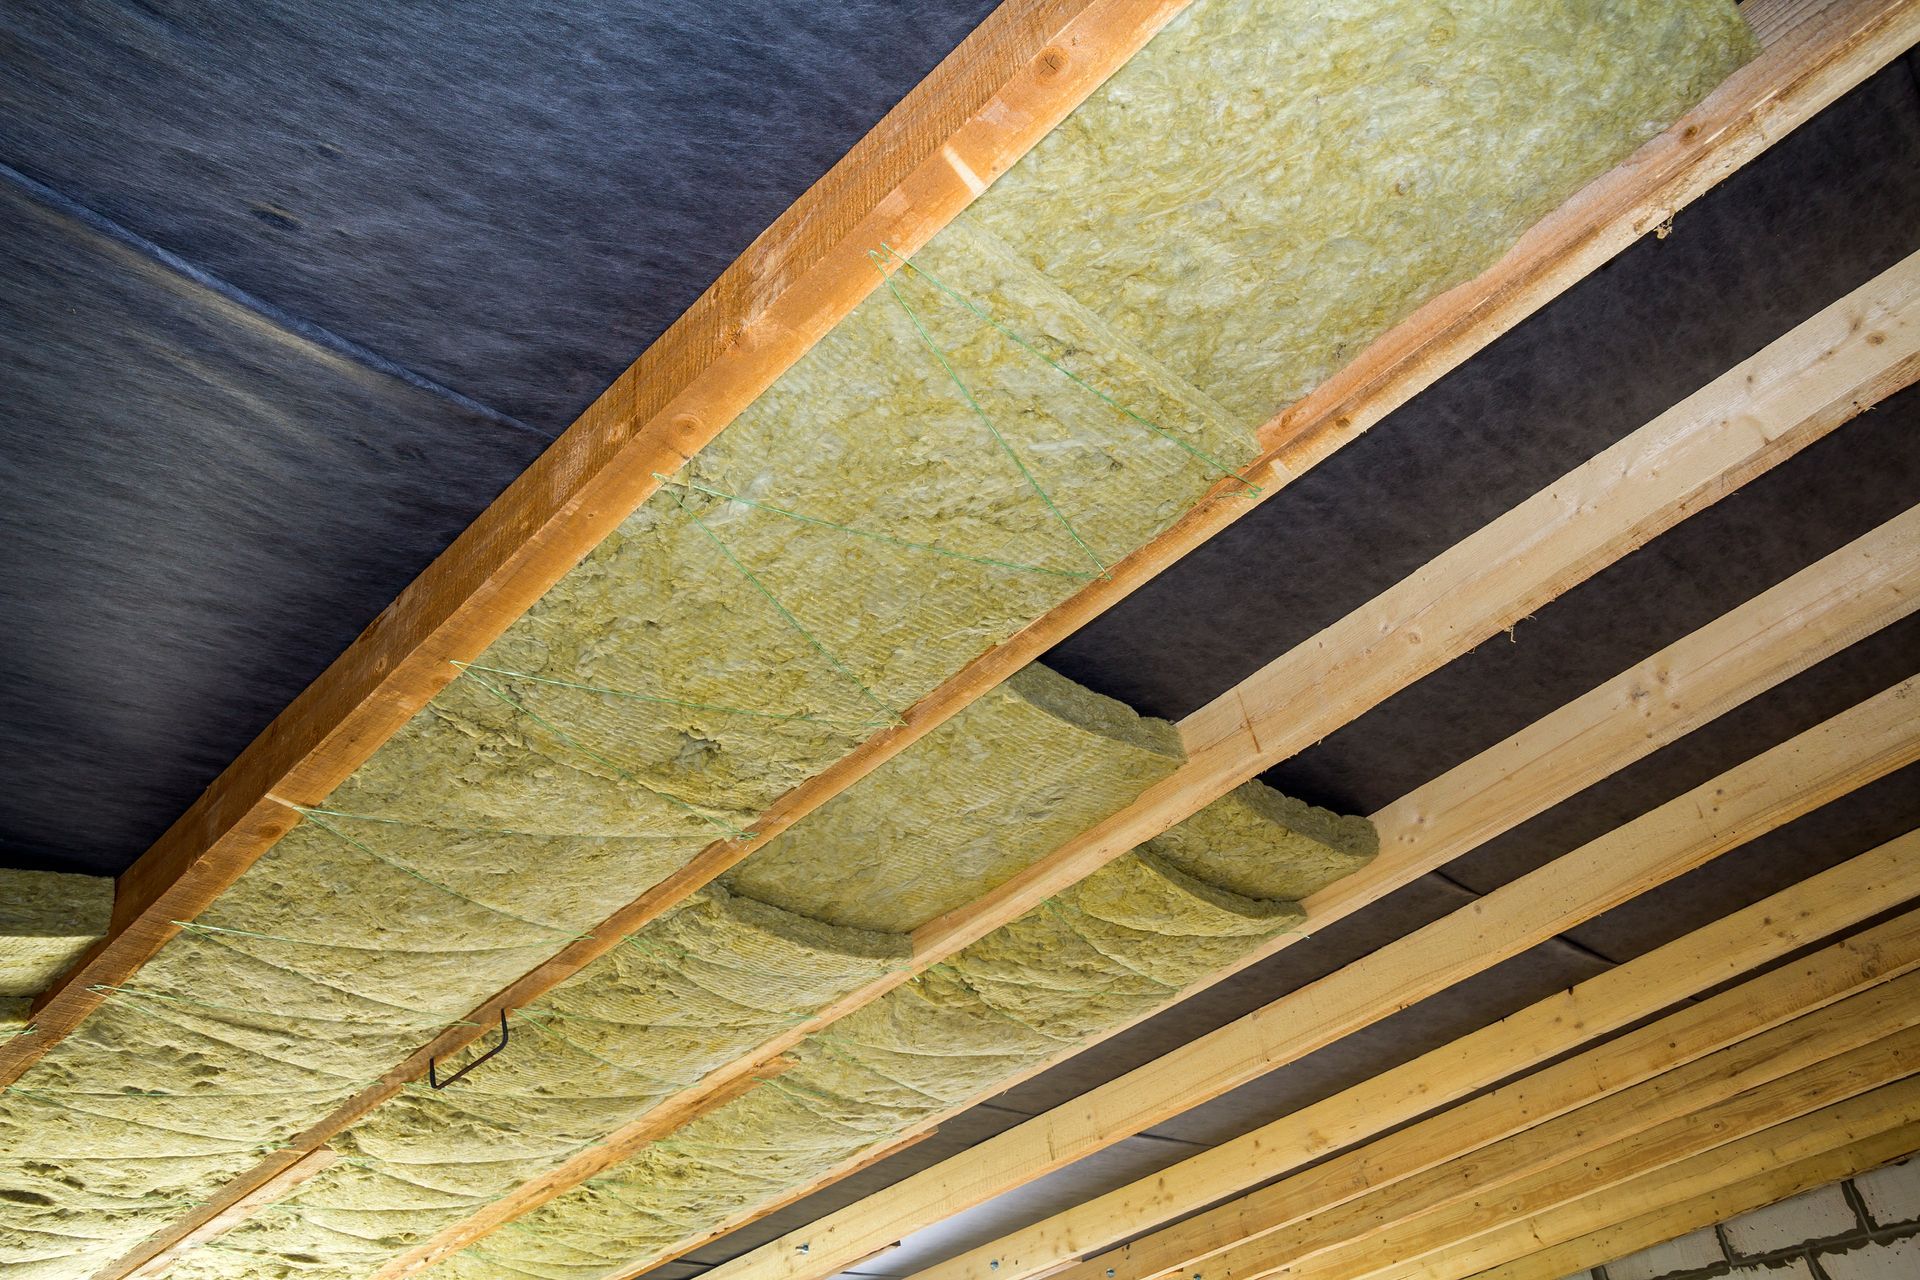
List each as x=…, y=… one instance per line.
x=1054, y=380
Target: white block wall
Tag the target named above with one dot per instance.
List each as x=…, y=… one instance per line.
x=1864, y=1228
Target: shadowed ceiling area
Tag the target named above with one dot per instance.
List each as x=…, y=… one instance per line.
x=289, y=292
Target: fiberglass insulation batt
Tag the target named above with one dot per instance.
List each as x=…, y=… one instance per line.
x=1060, y=375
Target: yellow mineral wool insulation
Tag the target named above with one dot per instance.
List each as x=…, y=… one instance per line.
x=47, y=921
x=1230, y=843
x=1115, y=947
x=984, y=796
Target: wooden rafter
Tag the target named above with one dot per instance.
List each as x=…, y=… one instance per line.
x=1829, y=760
x=1828, y=903
x=1660, y=1217
x=975, y=115
x=1422, y=1212
x=1799, y=388
x=1543, y=1215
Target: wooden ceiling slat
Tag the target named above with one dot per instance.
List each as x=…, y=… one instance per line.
x=1424, y=1212
x=1662, y=1218
x=1828, y=903
x=1799, y=388
x=792, y=285
x=1891, y=1110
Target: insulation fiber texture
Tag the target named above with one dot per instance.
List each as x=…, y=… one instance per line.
x=47, y=920
x=1117, y=946
x=1056, y=378
x=982, y=797
x=968, y=805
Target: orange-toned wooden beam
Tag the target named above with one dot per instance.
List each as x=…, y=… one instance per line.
x=1028, y=65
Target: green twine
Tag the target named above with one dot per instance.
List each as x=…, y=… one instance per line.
x=888, y=538
x=1252, y=489
x=672, y=1086
x=966, y=394
x=483, y=831
x=733, y=831
x=314, y=816
x=631, y=696
x=795, y=623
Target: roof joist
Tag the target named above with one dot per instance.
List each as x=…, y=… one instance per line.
x=1003, y=89
x=1773, y=1028
x=1665, y=1209
x=1824, y=905
x=1025, y=68
x=1793, y=392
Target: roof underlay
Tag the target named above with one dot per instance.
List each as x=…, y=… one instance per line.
x=737, y=1024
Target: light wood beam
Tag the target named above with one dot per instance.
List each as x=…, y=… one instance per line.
x=1409, y=1215
x=296, y=1168
x=1825, y=607
x=1602, y=1004
x=1801, y=774
x=1890, y=1109
x=1669, y=1221
x=1794, y=391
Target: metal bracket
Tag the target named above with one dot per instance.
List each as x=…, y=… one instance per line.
x=433, y=1076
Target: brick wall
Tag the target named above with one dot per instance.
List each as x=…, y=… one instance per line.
x=1863, y=1228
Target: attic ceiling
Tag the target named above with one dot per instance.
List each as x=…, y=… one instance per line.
x=456, y=322
x=291, y=291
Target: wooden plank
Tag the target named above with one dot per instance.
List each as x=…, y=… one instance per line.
x=240, y=1198
x=1780, y=399
x=1542, y=1031
x=1404, y=1214
x=1637, y=712
x=1656, y=1226
x=1776, y=926
x=1763, y=410
x=1894, y=1107
x=1027, y=65
x=1829, y=760
x=216, y=1219
x=1455, y=1230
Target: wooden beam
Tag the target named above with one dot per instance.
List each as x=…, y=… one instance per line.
x=1827, y=606
x=1622, y=995
x=1791, y=393
x=1397, y=1249
x=987, y=103
x=1669, y=1221
x=1795, y=391
x=1809, y=770
x=1814, y=58
x=1406, y=1214
x=1890, y=1108
x=240, y=1198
